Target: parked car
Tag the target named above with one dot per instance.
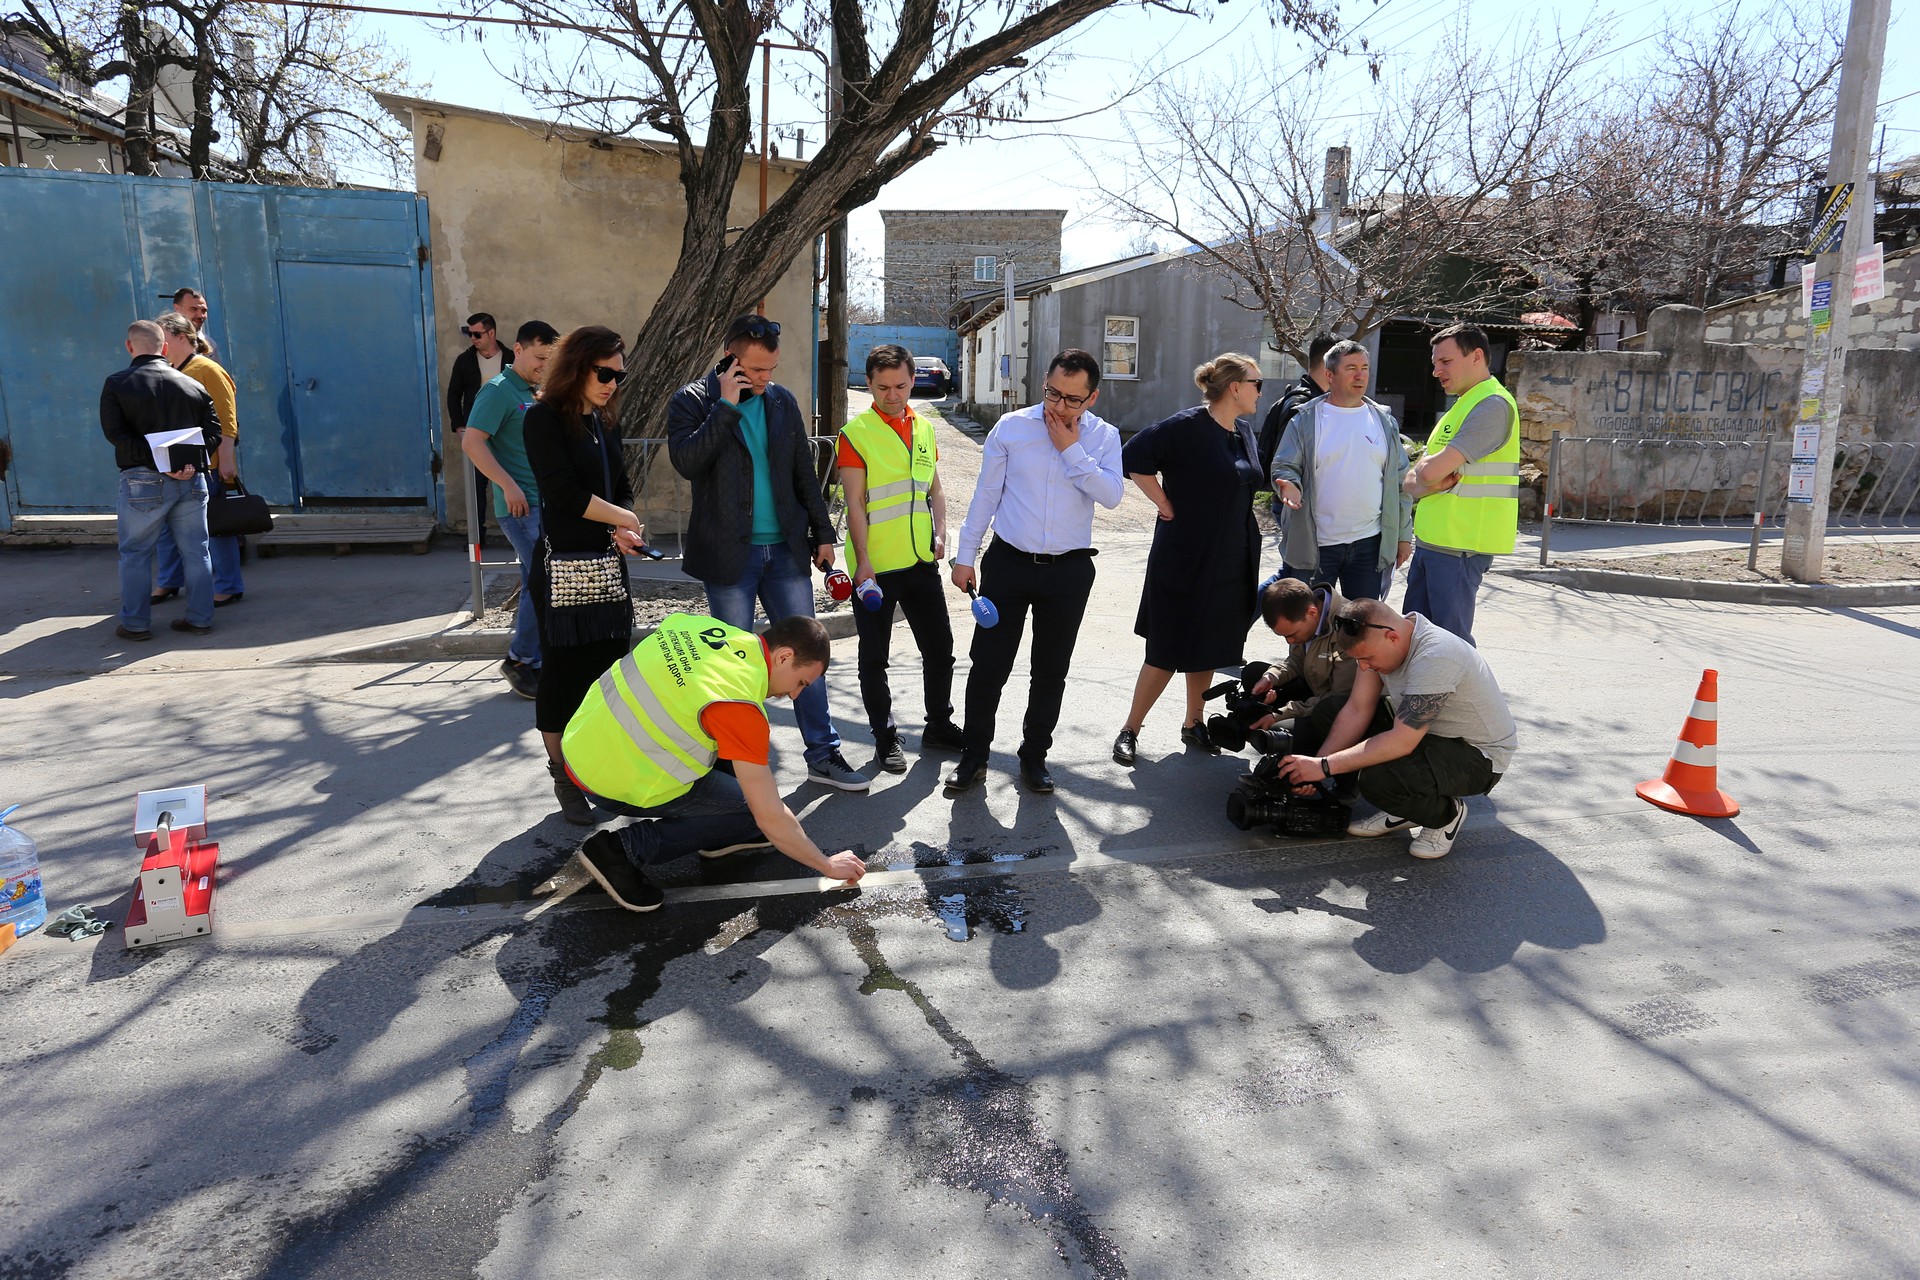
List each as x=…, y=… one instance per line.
x=930, y=374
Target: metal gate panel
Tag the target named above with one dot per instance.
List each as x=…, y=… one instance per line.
x=319, y=302
x=354, y=363
x=70, y=290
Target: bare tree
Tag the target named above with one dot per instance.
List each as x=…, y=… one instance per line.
x=1236, y=172
x=915, y=74
x=287, y=90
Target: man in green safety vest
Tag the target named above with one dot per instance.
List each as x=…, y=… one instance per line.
x=647, y=736
x=1467, y=486
x=897, y=530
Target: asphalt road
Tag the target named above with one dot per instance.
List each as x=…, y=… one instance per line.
x=1098, y=1034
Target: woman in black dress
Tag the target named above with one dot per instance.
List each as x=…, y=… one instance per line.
x=1198, y=468
x=573, y=447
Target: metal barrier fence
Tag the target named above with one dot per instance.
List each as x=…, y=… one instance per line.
x=1719, y=484
x=651, y=453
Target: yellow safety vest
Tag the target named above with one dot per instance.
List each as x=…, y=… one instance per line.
x=1481, y=514
x=899, y=510
x=637, y=737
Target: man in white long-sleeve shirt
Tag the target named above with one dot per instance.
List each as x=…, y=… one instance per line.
x=1043, y=469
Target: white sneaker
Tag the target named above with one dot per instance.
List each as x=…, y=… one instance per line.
x=1378, y=823
x=1437, y=842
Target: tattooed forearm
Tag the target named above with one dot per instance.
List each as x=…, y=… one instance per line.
x=1418, y=710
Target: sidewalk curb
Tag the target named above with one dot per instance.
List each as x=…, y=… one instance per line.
x=1819, y=595
x=452, y=644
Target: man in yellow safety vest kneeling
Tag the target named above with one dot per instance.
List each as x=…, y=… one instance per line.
x=1467, y=486
x=647, y=736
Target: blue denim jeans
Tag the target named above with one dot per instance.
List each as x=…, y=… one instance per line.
x=1353, y=567
x=712, y=815
x=524, y=533
x=224, y=552
x=1441, y=588
x=784, y=588
x=149, y=503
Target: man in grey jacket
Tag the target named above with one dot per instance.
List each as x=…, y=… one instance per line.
x=1337, y=473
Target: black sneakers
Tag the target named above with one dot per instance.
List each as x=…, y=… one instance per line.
x=601, y=856
x=943, y=735
x=521, y=677
x=887, y=755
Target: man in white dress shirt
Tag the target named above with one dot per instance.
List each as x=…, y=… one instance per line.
x=1043, y=469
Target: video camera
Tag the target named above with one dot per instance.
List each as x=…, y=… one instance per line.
x=1262, y=797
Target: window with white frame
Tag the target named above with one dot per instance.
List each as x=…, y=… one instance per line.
x=1120, y=350
x=986, y=268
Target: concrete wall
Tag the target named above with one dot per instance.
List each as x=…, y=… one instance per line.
x=983, y=392
x=1774, y=319
x=1184, y=322
x=532, y=223
x=1680, y=386
x=930, y=253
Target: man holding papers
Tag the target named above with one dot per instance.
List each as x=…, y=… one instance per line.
x=162, y=427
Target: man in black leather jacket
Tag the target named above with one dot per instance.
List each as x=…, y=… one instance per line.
x=759, y=522
x=146, y=397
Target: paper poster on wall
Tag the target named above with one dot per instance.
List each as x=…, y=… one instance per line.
x=1806, y=442
x=1870, y=275
x=1800, y=481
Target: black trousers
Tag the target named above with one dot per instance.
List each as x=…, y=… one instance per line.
x=923, y=599
x=1056, y=592
x=1418, y=786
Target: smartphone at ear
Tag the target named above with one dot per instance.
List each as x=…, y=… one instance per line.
x=746, y=393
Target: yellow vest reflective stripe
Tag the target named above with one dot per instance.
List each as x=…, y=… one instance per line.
x=1481, y=514
x=899, y=511
x=637, y=737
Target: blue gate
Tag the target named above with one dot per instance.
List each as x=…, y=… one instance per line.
x=320, y=303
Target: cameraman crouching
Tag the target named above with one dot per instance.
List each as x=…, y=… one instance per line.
x=1449, y=734
x=1314, y=668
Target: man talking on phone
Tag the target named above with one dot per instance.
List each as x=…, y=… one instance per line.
x=759, y=521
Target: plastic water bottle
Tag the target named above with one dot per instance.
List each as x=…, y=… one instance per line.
x=22, y=904
x=871, y=595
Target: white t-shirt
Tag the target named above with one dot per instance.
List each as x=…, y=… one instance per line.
x=1349, y=453
x=489, y=366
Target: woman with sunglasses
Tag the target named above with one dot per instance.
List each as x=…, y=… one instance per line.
x=573, y=446
x=1200, y=469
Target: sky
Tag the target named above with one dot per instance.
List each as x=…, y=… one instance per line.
x=1078, y=126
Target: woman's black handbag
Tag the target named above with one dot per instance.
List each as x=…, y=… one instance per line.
x=232, y=512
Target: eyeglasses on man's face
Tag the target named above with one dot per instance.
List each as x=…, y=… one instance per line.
x=476, y=334
x=604, y=375
x=1054, y=396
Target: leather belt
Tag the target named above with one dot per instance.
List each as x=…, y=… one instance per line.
x=1043, y=557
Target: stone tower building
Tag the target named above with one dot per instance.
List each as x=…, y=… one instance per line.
x=936, y=256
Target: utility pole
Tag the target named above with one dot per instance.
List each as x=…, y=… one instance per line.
x=834, y=367
x=1837, y=245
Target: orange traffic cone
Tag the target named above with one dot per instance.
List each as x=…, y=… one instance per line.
x=1691, y=783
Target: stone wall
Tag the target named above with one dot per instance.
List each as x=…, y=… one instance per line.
x=930, y=253
x=1774, y=319
x=1679, y=386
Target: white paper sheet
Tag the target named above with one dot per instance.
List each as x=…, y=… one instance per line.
x=159, y=440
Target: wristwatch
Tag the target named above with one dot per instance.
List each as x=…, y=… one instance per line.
x=1325, y=767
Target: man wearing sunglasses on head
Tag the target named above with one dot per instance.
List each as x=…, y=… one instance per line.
x=1424, y=725
x=473, y=369
x=759, y=521
x=1041, y=472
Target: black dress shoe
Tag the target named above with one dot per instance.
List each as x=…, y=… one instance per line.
x=1034, y=774
x=1195, y=735
x=965, y=775
x=181, y=624
x=126, y=632
x=1126, y=747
